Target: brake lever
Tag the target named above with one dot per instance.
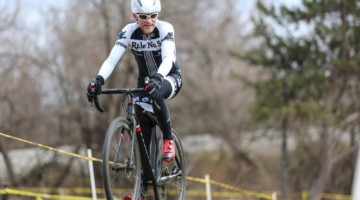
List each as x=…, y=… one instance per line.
x=97, y=104
x=96, y=100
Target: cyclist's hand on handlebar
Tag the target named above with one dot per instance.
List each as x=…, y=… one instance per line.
x=154, y=85
x=94, y=87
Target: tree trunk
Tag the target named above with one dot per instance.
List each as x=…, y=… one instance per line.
x=319, y=183
x=284, y=160
x=8, y=165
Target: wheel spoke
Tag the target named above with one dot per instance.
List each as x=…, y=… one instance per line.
x=121, y=175
x=173, y=180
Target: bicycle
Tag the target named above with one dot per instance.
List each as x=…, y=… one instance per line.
x=128, y=166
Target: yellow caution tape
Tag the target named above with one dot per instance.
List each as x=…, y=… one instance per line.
x=40, y=196
x=51, y=148
x=240, y=192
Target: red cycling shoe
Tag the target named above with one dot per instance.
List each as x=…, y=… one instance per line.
x=168, y=151
x=129, y=197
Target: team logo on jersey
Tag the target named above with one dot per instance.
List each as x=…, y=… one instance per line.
x=121, y=44
x=121, y=35
x=148, y=45
x=169, y=36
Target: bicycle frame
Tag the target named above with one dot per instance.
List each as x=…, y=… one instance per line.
x=148, y=163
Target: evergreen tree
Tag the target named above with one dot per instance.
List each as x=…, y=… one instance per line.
x=312, y=55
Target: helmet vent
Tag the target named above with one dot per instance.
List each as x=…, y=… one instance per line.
x=145, y=6
x=139, y=2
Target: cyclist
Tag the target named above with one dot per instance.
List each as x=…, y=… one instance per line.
x=152, y=43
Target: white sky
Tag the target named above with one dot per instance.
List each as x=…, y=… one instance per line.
x=32, y=9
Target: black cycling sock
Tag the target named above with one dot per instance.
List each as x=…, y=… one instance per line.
x=163, y=117
x=146, y=128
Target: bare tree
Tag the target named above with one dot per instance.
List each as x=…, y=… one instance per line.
x=76, y=40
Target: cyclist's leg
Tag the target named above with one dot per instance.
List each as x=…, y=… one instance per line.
x=146, y=125
x=171, y=86
x=163, y=116
x=146, y=128
x=169, y=89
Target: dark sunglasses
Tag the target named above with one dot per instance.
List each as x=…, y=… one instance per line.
x=149, y=16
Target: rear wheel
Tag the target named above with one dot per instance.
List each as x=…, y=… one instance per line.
x=121, y=163
x=174, y=188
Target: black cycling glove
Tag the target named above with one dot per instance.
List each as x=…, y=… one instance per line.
x=154, y=85
x=94, y=87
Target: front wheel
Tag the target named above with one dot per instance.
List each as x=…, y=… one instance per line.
x=121, y=161
x=172, y=188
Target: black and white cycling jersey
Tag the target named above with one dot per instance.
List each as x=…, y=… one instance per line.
x=154, y=53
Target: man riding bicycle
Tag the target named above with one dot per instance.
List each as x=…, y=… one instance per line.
x=152, y=43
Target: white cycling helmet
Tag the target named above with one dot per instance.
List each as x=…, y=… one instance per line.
x=145, y=6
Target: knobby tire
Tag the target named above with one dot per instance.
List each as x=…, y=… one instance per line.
x=124, y=180
x=173, y=189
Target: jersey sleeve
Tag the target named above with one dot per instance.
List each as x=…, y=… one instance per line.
x=122, y=42
x=167, y=49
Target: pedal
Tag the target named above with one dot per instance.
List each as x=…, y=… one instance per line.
x=166, y=172
x=175, y=169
